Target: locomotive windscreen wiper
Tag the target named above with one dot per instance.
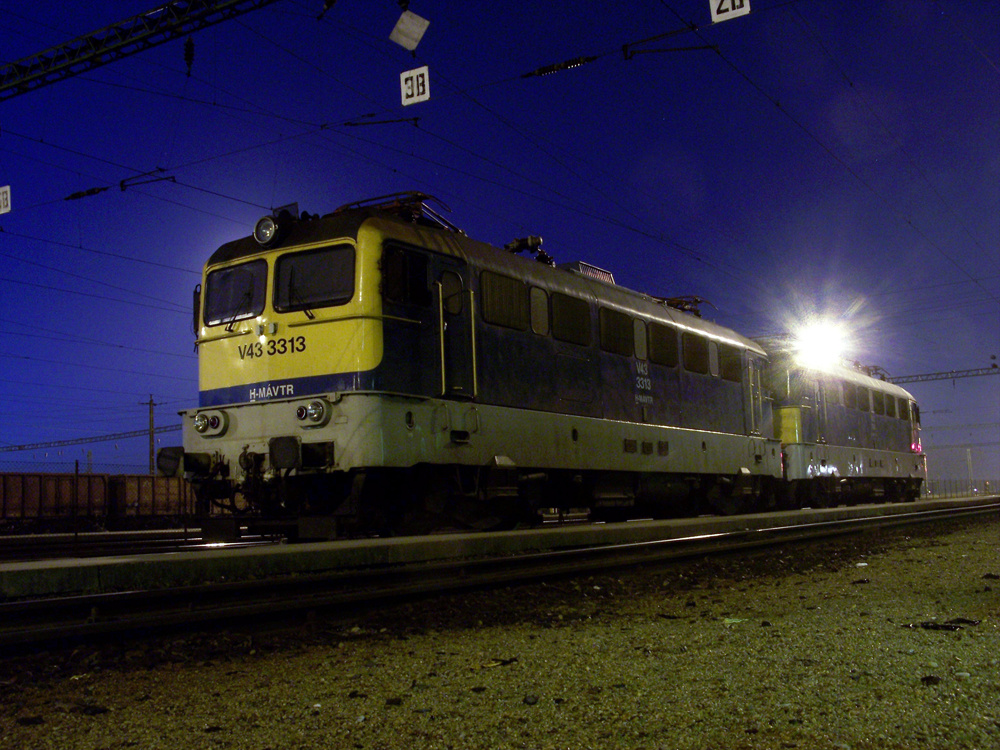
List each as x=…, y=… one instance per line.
x=244, y=304
x=295, y=299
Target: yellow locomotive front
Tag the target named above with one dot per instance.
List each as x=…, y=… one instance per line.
x=287, y=321
x=277, y=323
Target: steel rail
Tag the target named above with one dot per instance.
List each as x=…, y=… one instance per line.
x=24, y=548
x=100, y=615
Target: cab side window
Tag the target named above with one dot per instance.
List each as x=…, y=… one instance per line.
x=404, y=277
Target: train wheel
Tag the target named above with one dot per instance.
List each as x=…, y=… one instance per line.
x=452, y=498
x=667, y=496
x=822, y=494
x=800, y=494
x=727, y=499
x=768, y=498
x=784, y=496
x=503, y=500
x=892, y=491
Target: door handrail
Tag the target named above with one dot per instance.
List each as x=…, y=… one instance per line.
x=439, y=287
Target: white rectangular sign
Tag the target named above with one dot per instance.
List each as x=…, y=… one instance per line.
x=415, y=85
x=409, y=30
x=723, y=10
x=4, y=199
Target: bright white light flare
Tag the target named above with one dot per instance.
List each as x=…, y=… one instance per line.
x=820, y=345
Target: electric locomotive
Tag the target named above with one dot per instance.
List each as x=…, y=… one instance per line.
x=379, y=367
x=846, y=435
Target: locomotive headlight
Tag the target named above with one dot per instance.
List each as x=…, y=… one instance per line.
x=265, y=231
x=315, y=411
x=211, y=423
x=314, y=414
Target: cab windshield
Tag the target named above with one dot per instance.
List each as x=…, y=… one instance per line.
x=235, y=293
x=314, y=278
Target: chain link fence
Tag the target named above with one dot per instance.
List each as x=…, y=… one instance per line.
x=945, y=488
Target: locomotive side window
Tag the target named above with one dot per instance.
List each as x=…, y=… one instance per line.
x=695, y=350
x=617, y=332
x=505, y=300
x=878, y=402
x=850, y=396
x=663, y=345
x=404, y=277
x=570, y=319
x=451, y=292
x=801, y=387
x=639, y=331
x=779, y=383
x=864, y=402
x=730, y=363
x=539, y=300
x=915, y=413
x=890, y=406
x=904, y=408
x=831, y=388
x=315, y=278
x=235, y=293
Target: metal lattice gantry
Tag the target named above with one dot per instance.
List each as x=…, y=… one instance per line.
x=136, y=34
x=950, y=375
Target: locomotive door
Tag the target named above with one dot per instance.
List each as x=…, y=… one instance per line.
x=821, y=416
x=455, y=325
x=756, y=410
x=428, y=324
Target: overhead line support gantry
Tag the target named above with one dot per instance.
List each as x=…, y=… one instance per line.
x=136, y=34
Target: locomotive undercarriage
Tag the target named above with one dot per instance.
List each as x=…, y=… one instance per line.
x=428, y=498
x=388, y=464
x=822, y=476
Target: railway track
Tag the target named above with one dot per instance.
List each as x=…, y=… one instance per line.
x=22, y=548
x=433, y=566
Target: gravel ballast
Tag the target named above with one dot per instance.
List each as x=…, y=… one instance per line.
x=877, y=641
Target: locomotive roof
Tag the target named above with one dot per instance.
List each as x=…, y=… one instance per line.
x=778, y=350
x=876, y=384
x=432, y=235
x=300, y=232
